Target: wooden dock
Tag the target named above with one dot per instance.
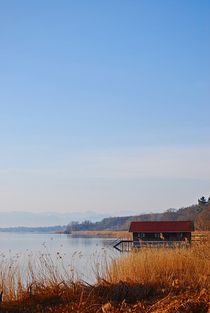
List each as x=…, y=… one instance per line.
x=123, y=245
x=128, y=245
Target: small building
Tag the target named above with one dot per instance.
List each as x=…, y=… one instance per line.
x=161, y=232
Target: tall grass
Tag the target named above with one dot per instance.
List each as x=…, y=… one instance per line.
x=170, y=268
x=19, y=276
x=136, y=282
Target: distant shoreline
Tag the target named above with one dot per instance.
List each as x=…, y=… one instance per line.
x=24, y=229
x=61, y=230
x=102, y=233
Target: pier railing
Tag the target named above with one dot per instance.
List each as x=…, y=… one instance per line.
x=124, y=245
x=128, y=245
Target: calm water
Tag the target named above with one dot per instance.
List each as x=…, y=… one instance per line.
x=83, y=256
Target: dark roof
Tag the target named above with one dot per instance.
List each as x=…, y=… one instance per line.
x=164, y=226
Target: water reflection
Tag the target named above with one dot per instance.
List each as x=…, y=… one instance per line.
x=84, y=256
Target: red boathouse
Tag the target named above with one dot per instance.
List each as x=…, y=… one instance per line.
x=161, y=232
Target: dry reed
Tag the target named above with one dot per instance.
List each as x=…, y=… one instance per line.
x=150, y=280
x=169, y=268
x=121, y=234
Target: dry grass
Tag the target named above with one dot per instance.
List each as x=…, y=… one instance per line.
x=168, y=268
x=121, y=234
x=150, y=280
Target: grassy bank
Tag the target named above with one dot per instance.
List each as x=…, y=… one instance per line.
x=124, y=234
x=103, y=233
x=80, y=298
x=150, y=280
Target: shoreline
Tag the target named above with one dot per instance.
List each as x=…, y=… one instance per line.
x=108, y=298
x=102, y=234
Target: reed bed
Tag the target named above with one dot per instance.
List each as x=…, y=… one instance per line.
x=169, y=268
x=121, y=234
x=148, y=280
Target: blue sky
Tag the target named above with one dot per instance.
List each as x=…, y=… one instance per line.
x=104, y=105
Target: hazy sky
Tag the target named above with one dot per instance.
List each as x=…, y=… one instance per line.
x=104, y=105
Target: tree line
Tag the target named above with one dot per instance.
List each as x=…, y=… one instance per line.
x=198, y=213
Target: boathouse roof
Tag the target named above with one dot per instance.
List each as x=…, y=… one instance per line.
x=162, y=226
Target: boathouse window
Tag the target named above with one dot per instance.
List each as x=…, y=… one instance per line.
x=148, y=235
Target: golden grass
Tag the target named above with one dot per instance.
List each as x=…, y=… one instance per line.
x=169, y=268
x=121, y=234
x=149, y=280
x=124, y=234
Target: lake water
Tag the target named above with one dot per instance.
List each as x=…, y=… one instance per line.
x=80, y=256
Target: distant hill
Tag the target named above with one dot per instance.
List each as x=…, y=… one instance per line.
x=45, y=219
x=199, y=214
x=45, y=222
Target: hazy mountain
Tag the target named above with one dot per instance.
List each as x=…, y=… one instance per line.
x=29, y=219
x=200, y=215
